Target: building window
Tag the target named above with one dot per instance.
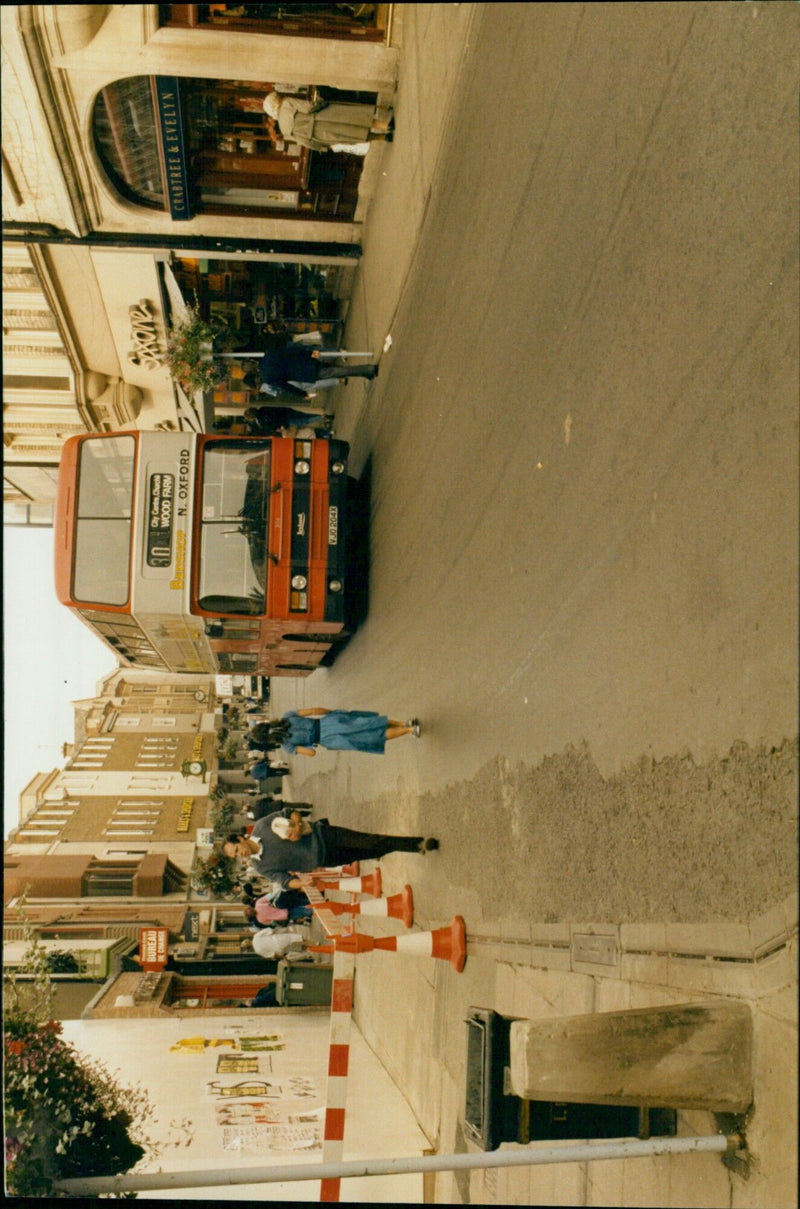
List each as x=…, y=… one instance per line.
x=109, y=878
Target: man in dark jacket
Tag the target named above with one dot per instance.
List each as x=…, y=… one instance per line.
x=282, y=368
x=309, y=846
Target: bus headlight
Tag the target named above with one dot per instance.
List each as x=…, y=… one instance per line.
x=337, y=467
x=335, y=585
x=299, y=582
x=302, y=467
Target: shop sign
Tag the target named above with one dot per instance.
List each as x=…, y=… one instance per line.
x=147, y=351
x=185, y=820
x=191, y=926
x=205, y=837
x=153, y=948
x=146, y=987
x=175, y=170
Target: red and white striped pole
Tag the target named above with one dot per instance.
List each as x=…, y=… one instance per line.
x=446, y=944
x=338, y=1063
x=370, y=884
x=396, y=906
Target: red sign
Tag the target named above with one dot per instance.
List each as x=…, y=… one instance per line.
x=153, y=948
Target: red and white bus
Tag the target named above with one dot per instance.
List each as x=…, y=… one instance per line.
x=197, y=553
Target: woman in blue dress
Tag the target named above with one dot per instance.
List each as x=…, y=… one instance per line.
x=303, y=730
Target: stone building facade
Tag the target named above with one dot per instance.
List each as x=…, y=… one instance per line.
x=112, y=835
x=111, y=114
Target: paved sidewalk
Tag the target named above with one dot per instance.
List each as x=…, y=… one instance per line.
x=411, y=1012
x=434, y=41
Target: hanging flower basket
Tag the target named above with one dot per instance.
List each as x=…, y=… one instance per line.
x=190, y=352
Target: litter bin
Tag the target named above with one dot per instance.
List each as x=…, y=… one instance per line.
x=303, y=983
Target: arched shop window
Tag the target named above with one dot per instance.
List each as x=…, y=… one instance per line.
x=197, y=146
x=124, y=127
x=358, y=22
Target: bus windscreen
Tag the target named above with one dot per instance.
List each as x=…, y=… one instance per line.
x=101, y=570
x=234, y=525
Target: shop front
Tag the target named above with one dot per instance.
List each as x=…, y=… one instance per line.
x=194, y=146
x=362, y=22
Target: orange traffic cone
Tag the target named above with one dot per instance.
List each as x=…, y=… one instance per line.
x=370, y=884
x=351, y=870
x=396, y=906
x=446, y=944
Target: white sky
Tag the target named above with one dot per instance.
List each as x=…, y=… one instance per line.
x=51, y=659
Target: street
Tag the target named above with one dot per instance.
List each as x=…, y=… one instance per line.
x=583, y=459
x=583, y=453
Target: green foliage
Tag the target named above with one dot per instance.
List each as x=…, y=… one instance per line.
x=222, y=815
x=190, y=348
x=61, y=962
x=217, y=875
x=65, y=1115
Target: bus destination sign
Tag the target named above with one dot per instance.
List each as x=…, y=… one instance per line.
x=160, y=511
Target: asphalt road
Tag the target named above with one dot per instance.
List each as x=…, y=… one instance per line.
x=584, y=463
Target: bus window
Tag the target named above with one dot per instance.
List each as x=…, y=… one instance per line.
x=101, y=568
x=234, y=517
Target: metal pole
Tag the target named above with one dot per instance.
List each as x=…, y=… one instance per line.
x=289, y=1172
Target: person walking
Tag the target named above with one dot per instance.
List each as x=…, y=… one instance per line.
x=261, y=770
x=269, y=803
x=268, y=421
x=320, y=126
x=295, y=369
x=286, y=848
x=302, y=731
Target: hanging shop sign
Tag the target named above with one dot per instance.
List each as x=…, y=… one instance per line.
x=153, y=948
x=176, y=174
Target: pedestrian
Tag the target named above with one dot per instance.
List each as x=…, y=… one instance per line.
x=268, y=804
x=269, y=420
x=338, y=126
x=295, y=369
x=277, y=942
x=290, y=858
x=283, y=906
x=262, y=769
x=304, y=730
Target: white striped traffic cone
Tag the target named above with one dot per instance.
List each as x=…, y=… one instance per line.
x=351, y=870
x=370, y=884
x=396, y=906
x=446, y=944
